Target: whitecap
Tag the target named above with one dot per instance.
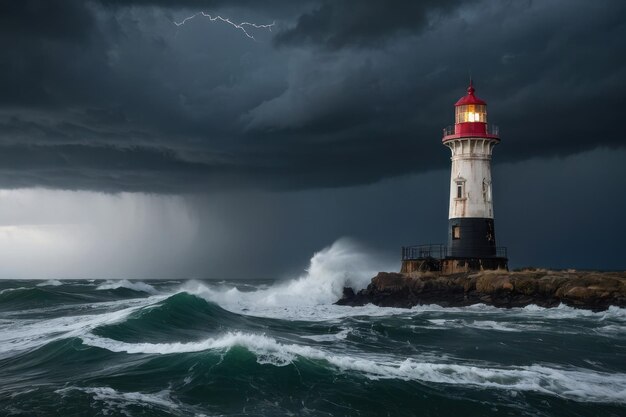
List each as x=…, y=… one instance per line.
x=7, y=290
x=333, y=337
x=50, y=283
x=563, y=311
x=119, y=400
x=611, y=330
x=576, y=383
x=492, y=325
x=131, y=285
x=500, y=326
x=22, y=334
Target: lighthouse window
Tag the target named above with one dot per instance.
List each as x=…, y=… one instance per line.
x=460, y=189
x=487, y=190
x=471, y=113
x=456, y=232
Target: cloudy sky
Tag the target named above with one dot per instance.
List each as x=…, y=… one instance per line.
x=131, y=146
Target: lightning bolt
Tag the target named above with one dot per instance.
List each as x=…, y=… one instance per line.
x=241, y=26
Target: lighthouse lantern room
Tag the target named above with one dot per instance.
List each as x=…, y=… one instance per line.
x=471, y=232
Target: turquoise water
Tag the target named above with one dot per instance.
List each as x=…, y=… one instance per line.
x=258, y=348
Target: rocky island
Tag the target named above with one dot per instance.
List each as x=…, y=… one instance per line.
x=582, y=289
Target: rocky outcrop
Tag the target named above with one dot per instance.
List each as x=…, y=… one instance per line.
x=590, y=290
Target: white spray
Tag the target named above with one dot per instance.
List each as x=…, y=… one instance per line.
x=343, y=264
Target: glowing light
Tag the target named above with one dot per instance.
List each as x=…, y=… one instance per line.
x=241, y=26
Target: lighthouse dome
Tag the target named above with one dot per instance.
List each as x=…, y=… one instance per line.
x=470, y=98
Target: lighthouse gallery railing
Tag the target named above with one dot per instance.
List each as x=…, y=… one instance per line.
x=489, y=129
x=438, y=251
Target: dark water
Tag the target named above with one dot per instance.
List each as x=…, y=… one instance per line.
x=204, y=348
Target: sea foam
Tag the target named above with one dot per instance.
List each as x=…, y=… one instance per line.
x=114, y=399
x=50, y=283
x=131, y=285
x=21, y=334
x=574, y=383
x=343, y=264
x=333, y=337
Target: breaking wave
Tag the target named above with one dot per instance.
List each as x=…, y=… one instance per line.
x=343, y=264
x=30, y=297
x=131, y=285
x=23, y=334
x=575, y=384
x=182, y=314
x=50, y=283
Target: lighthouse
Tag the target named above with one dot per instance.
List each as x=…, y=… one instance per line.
x=471, y=231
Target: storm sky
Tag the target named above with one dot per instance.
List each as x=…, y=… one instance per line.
x=133, y=147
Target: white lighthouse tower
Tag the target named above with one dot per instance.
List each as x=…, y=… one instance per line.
x=471, y=232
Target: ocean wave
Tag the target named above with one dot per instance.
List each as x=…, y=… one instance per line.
x=118, y=400
x=333, y=337
x=559, y=312
x=50, y=283
x=13, y=299
x=330, y=270
x=262, y=303
x=224, y=342
x=22, y=334
x=479, y=324
x=611, y=330
x=576, y=383
x=131, y=285
x=8, y=290
x=179, y=315
x=563, y=311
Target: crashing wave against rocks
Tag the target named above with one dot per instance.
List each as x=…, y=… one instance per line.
x=590, y=290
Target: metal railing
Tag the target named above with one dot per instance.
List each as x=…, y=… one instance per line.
x=448, y=130
x=501, y=252
x=493, y=130
x=489, y=129
x=438, y=251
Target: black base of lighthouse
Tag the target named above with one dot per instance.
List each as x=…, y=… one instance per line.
x=471, y=238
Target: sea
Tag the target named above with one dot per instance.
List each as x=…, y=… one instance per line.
x=116, y=347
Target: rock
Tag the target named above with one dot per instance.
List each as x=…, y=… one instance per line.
x=591, y=290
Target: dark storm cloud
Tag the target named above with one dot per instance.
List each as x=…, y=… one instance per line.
x=51, y=54
x=37, y=18
x=111, y=95
x=353, y=22
x=202, y=4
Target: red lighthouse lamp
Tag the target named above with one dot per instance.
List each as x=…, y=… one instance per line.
x=470, y=119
